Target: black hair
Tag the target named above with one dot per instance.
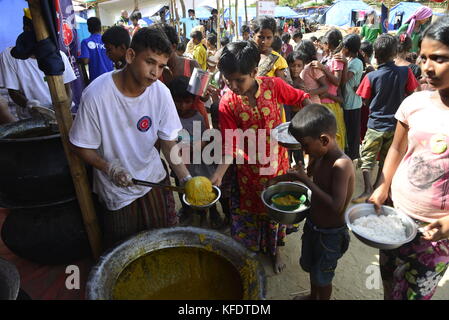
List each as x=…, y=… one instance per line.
x=367, y=48
x=333, y=38
x=136, y=15
x=277, y=44
x=239, y=57
x=181, y=47
x=286, y=38
x=170, y=32
x=214, y=112
x=151, y=38
x=178, y=88
x=297, y=34
x=94, y=25
x=224, y=41
x=352, y=42
x=404, y=42
x=212, y=39
x=307, y=51
x=214, y=11
x=198, y=35
x=245, y=28
x=385, y=48
x=116, y=36
x=191, y=10
x=262, y=23
x=313, y=38
x=295, y=55
x=438, y=31
x=312, y=121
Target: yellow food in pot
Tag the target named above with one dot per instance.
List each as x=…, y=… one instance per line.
x=199, y=191
x=287, y=200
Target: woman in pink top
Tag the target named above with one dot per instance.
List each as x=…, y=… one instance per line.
x=417, y=169
x=334, y=67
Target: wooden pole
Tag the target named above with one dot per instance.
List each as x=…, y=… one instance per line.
x=183, y=7
x=236, y=16
x=177, y=23
x=246, y=12
x=62, y=105
x=218, y=26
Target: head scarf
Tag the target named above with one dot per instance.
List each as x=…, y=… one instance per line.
x=420, y=14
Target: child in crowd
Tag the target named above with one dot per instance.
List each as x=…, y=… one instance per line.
x=366, y=50
x=272, y=64
x=334, y=67
x=224, y=41
x=297, y=38
x=326, y=236
x=287, y=48
x=116, y=41
x=199, y=51
x=404, y=47
x=416, y=169
x=211, y=44
x=181, y=49
x=385, y=89
x=371, y=30
x=314, y=79
x=246, y=32
x=352, y=102
x=190, y=118
x=319, y=48
x=277, y=45
x=252, y=105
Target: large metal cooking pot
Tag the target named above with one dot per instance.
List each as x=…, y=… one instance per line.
x=9, y=280
x=33, y=171
x=103, y=277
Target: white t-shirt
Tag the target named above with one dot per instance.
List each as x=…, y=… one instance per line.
x=125, y=129
x=25, y=76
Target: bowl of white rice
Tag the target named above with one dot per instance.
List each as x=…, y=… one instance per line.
x=284, y=138
x=388, y=230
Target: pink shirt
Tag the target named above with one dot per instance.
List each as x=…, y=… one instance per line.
x=420, y=186
x=310, y=77
x=333, y=65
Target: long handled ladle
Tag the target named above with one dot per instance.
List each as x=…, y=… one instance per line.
x=159, y=185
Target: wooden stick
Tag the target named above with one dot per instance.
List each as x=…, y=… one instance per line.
x=62, y=105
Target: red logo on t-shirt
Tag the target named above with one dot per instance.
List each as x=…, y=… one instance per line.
x=67, y=33
x=144, y=124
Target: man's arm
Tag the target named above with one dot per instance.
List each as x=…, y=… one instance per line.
x=179, y=169
x=91, y=157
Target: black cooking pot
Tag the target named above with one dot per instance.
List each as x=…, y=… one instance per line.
x=34, y=171
x=47, y=235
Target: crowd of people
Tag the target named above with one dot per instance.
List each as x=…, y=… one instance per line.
x=352, y=101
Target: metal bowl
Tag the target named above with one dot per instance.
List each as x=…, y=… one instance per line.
x=9, y=280
x=281, y=216
x=103, y=277
x=283, y=129
x=365, y=209
x=207, y=206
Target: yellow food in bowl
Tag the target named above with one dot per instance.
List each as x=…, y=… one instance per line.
x=287, y=200
x=199, y=191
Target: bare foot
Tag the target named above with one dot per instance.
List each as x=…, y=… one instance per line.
x=362, y=198
x=278, y=263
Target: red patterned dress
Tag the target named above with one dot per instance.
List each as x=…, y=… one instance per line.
x=250, y=224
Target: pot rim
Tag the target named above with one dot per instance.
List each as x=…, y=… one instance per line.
x=30, y=139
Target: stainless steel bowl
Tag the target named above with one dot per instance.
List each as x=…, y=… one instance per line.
x=207, y=206
x=283, y=129
x=281, y=216
x=365, y=209
x=103, y=276
x=9, y=280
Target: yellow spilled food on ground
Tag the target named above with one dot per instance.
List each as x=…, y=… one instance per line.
x=199, y=191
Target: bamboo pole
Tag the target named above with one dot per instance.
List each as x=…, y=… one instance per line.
x=246, y=12
x=236, y=16
x=177, y=23
x=218, y=26
x=62, y=104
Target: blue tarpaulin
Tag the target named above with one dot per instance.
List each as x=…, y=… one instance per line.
x=406, y=9
x=340, y=13
x=11, y=17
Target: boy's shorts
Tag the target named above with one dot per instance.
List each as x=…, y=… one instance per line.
x=374, y=143
x=321, y=249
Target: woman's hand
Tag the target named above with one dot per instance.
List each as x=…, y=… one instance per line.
x=318, y=65
x=216, y=179
x=378, y=198
x=340, y=58
x=437, y=231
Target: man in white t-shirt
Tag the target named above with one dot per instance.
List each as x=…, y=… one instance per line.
x=26, y=83
x=121, y=116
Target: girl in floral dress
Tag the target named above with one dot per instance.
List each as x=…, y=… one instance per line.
x=252, y=107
